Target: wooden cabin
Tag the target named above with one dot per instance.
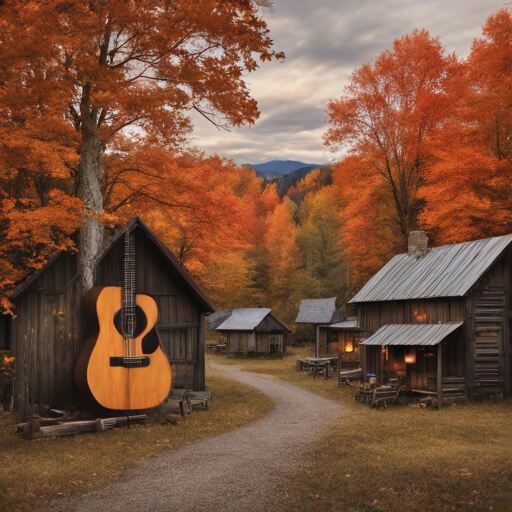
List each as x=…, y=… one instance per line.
x=318, y=312
x=438, y=319
x=342, y=339
x=47, y=335
x=254, y=331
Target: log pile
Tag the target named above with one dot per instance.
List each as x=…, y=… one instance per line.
x=176, y=408
x=39, y=428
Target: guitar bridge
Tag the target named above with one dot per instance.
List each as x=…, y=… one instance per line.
x=130, y=361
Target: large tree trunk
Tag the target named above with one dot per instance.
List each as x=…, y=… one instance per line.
x=90, y=174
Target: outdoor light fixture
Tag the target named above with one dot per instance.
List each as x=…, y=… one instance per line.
x=410, y=355
x=349, y=347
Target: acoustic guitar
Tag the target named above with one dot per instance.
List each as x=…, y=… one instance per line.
x=123, y=365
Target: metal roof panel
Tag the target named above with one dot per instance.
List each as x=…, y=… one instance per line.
x=447, y=271
x=316, y=311
x=411, y=334
x=347, y=324
x=246, y=319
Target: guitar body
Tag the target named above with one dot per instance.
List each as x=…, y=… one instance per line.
x=105, y=373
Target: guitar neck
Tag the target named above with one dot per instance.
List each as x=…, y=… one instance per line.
x=129, y=286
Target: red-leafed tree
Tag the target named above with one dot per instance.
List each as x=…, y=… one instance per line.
x=468, y=192
x=387, y=115
x=75, y=75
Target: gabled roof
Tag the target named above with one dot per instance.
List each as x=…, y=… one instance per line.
x=447, y=271
x=316, y=311
x=136, y=222
x=411, y=334
x=244, y=319
x=248, y=319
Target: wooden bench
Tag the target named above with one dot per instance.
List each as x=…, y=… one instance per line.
x=385, y=395
x=380, y=395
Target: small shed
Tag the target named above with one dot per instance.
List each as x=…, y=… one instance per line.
x=49, y=331
x=318, y=312
x=342, y=339
x=254, y=330
x=439, y=318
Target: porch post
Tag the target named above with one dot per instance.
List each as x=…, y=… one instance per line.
x=440, y=375
x=380, y=372
x=363, y=354
x=317, y=346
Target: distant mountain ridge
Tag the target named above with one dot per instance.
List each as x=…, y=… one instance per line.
x=275, y=168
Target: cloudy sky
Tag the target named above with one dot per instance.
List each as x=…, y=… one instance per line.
x=324, y=41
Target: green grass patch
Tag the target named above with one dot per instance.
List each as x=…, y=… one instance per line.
x=34, y=472
x=399, y=458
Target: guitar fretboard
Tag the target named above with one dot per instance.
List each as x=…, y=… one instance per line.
x=129, y=287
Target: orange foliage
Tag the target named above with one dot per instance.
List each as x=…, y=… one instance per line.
x=469, y=187
x=369, y=232
x=75, y=77
x=388, y=113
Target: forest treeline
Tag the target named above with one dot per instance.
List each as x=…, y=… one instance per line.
x=422, y=140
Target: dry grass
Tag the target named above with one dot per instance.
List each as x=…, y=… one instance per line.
x=400, y=458
x=34, y=472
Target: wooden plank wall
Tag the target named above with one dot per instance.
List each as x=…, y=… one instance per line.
x=373, y=315
x=488, y=311
x=238, y=342
x=46, y=339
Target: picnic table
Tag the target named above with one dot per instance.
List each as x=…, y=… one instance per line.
x=316, y=365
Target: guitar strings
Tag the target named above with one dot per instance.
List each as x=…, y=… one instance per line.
x=129, y=308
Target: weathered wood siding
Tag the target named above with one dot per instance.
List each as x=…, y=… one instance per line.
x=373, y=315
x=488, y=332
x=46, y=339
x=246, y=342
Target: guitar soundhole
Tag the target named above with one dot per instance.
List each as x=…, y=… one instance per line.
x=141, y=321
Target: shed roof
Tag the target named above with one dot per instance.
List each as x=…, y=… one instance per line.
x=411, y=334
x=244, y=319
x=347, y=324
x=447, y=271
x=316, y=311
x=136, y=222
x=249, y=319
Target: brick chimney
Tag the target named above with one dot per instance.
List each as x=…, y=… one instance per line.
x=418, y=244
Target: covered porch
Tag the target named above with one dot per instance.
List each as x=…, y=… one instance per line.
x=426, y=359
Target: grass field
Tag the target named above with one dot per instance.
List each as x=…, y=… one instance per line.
x=34, y=472
x=399, y=458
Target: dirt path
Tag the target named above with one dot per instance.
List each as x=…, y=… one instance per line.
x=243, y=470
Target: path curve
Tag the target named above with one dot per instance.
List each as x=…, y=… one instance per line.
x=242, y=470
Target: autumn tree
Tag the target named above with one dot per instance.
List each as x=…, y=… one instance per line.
x=387, y=115
x=315, y=180
x=98, y=69
x=283, y=259
x=318, y=242
x=369, y=232
x=468, y=192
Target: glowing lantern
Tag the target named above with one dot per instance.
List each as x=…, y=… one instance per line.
x=349, y=347
x=410, y=356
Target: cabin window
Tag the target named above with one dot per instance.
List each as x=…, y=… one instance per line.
x=5, y=332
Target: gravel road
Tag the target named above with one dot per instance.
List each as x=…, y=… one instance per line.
x=243, y=470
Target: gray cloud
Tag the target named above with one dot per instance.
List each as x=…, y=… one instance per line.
x=324, y=41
